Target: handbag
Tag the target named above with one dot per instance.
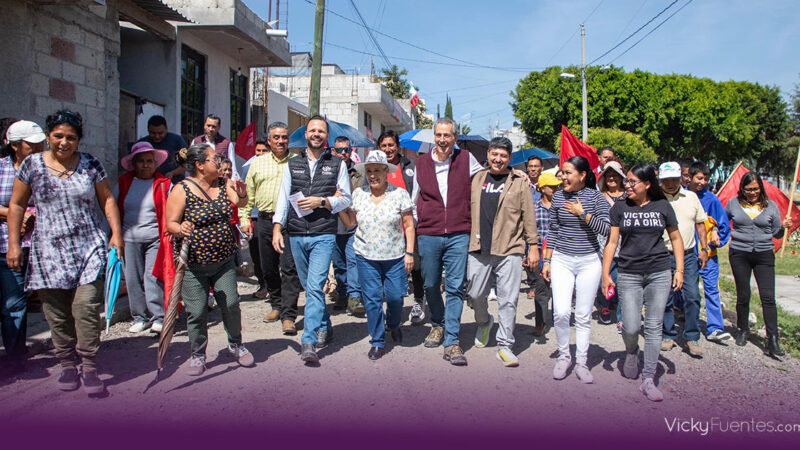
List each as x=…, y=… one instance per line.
x=238, y=236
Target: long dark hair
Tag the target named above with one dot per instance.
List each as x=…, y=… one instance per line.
x=581, y=164
x=748, y=178
x=5, y=147
x=646, y=173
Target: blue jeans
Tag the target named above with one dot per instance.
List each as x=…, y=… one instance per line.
x=344, y=267
x=448, y=252
x=382, y=279
x=691, y=300
x=312, y=257
x=14, y=308
x=711, y=292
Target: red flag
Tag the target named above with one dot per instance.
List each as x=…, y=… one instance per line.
x=246, y=142
x=731, y=190
x=571, y=146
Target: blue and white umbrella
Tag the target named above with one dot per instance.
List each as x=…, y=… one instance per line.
x=335, y=129
x=113, y=276
x=521, y=156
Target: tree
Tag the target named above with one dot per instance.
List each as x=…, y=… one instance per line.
x=448, y=108
x=628, y=147
x=394, y=81
x=422, y=120
x=463, y=130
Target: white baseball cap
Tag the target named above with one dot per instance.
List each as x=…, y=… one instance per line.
x=25, y=130
x=376, y=157
x=669, y=170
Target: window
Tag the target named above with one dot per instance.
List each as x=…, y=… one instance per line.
x=367, y=120
x=193, y=93
x=238, y=104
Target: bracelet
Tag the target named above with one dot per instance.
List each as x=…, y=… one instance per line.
x=546, y=260
x=245, y=196
x=409, y=254
x=679, y=271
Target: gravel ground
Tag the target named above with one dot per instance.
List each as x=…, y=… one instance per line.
x=411, y=389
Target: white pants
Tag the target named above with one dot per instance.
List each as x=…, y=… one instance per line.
x=581, y=273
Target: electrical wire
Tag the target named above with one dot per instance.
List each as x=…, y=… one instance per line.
x=371, y=36
x=651, y=31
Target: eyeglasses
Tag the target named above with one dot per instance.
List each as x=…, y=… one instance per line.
x=341, y=149
x=630, y=182
x=752, y=190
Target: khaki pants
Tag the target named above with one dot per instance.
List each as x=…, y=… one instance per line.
x=74, y=319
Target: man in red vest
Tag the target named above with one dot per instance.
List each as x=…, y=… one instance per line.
x=222, y=145
x=441, y=197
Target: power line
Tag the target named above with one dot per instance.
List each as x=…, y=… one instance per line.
x=595, y=9
x=371, y=36
x=651, y=31
x=572, y=36
x=632, y=34
x=469, y=63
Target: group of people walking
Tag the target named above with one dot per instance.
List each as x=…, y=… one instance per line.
x=632, y=242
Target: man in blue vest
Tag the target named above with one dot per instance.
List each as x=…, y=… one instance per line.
x=307, y=206
x=441, y=197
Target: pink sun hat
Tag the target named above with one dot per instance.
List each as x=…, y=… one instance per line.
x=143, y=147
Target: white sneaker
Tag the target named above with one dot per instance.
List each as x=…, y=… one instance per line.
x=417, y=312
x=719, y=336
x=561, y=368
x=508, y=357
x=156, y=327
x=649, y=389
x=242, y=355
x=138, y=327
x=482, y=333
x=583, y=374
x=492, y=295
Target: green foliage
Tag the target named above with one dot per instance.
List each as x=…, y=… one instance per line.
x=674, y=115
x=394, y=81
x=464, y=130
x=422, y=120
x=628, y=147
x=448, y=108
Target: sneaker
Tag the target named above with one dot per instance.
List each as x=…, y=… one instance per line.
x=417, y=312
x=355, y=306
x=667, y=345
x=242, y=355
x=492, y=295
x=694, y=349
x=196, y=366
x=619, y=327
x=359, y=309
x=719, y=336
x=508, y=358
x=631, y=367
x=561, y=368
x=156, y=327
x=307, y=353
x=583, y=374
x=68, y=380
x=138, y=327
x=435, y=337
x=482, y=333
x=455, y=355
x=92, y=384
x=605, y=316
x=324, y=337
x=649, y=389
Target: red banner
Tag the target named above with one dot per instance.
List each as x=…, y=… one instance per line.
x=731, y=190
x=246, y=142
x=571, y=146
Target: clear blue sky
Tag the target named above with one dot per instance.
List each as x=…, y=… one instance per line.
x=718, y=39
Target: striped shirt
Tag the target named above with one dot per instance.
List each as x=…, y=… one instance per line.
x=568, y=233
x=7, y=175
x=263, y=184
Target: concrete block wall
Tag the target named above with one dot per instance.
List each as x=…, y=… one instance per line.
x=64, y=56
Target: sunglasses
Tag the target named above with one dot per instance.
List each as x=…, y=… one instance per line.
x=341, y=150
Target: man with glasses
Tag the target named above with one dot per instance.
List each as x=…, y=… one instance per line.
x=263, y=183
x=348, y=289
x=691, y=218
x=222, y=145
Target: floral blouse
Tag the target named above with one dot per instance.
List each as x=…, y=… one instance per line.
x=379, y=235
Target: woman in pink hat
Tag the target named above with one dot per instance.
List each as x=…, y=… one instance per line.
x=142, y=198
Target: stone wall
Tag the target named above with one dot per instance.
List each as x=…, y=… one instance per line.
x=64, y=56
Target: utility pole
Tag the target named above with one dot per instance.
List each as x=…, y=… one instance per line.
x=316, y=64
x=585, y=130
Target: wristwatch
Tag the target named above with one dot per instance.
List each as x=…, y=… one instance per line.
x=322, y=202
x=705, y=249
x=583, y=216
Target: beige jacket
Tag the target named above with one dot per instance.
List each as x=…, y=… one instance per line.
x=515, y=222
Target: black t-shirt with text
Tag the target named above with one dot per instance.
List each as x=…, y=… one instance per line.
x=641, y=228
x=490, y=198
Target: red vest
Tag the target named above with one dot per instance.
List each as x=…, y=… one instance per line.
x=221, y=143
x=433, y=218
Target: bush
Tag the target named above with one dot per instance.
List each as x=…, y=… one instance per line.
x=628, y=147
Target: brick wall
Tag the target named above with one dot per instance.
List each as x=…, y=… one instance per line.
x=67, y=59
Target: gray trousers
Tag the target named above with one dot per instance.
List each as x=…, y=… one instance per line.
x=652, y=290
x=504, y=273
x=145, y=291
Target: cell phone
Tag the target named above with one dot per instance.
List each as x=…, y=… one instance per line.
x=611, y=292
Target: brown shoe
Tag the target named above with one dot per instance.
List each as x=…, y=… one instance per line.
x=694, y=349
x=539, y=329
x=289, y=328
x=435, y=337
x=667, y=344
x=531, y=294
x=455, y=355
x=272, y=316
